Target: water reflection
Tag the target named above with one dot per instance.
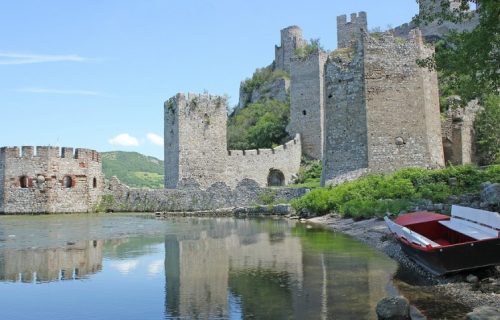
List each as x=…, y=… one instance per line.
x=272, y=270
x=192, y=269
x=75, y=261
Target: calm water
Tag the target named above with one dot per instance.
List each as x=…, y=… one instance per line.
x=126, y=266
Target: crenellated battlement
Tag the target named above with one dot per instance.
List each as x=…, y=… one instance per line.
x=349, y=30
x=29, y=152
x=284, y=148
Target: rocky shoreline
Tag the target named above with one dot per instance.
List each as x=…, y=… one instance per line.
x=467, y=291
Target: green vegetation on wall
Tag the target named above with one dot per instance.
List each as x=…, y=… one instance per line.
x=309, y=48
x=258, y=125
x=375, y=195
x=262, y=76
x=133, y=169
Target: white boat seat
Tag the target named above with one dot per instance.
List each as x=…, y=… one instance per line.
x=470, y=229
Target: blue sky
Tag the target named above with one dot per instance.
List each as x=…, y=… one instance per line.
x=95, y=74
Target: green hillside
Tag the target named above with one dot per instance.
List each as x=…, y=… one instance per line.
x=133, y=169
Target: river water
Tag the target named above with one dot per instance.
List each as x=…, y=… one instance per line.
x=133, y=266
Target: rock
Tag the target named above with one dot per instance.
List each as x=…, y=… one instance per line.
x=484, y=313
x=490, y=193
x=415, y=314
x=472, y=279
x=393, y=308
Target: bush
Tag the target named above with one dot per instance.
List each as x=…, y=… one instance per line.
x=375, y=195
x=258, y=125
x=262, y=76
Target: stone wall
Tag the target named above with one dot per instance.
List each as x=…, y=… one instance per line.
x=458, y=134
x=50, y=180
x=196, y=147
x=258, y=164
x=403, y=116
x=189, y=196
x=291, y=39
x=2, y=179
x=348, y=31
x=346, y=141
x=306, y=102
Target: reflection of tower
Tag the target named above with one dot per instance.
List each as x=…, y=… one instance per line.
x=42, y=265
x=172, y=275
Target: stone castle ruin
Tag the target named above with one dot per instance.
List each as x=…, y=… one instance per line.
x=49, y=180
x=365, y=107
x=196, y=148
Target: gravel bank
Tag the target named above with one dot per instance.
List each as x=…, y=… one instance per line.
x=484, y=292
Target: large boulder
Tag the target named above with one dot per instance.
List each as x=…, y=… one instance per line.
x=490, y=193
x=393, y=308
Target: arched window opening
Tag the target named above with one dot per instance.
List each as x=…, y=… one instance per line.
x=67, y=182
x=304, y=112
x=276, y=178
x=24, y=181
x=94, y=182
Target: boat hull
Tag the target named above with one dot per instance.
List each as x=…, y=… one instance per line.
x=455, y=258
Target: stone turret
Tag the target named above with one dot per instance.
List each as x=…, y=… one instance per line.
x=348, y=31
x=291, y=39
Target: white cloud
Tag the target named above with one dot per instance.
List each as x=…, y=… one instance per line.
x=155, y=267
x=155, y=139
x=57, y=91
x=12, y=58
x=126, y=266
x=124, y=139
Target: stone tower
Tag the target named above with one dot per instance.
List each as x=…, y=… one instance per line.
x=347, y=31
x=195, y=139
x=48, y=179
x=291, y=39
x=381, y=108
x=306, y=102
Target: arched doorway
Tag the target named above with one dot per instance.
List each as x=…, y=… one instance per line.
x=24, y=181
x=67, y=182
x=275, y=178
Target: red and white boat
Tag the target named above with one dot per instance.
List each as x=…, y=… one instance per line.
x=469, y=239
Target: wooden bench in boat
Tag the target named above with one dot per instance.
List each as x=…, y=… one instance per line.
x=475, y=223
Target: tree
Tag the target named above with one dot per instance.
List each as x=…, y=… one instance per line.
x=468, y=62
x=487, y=128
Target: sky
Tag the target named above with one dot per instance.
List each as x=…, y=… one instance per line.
x=94, y=74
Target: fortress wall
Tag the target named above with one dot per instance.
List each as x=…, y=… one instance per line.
x=197, y=129
x=2, y=178
x=402, y=111
x=49, y=180
x=345, y=145
x=257, y=164
x=307, y=102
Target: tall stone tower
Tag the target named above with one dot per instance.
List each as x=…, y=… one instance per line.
x=306, y=102
x=381, y=108
x=195, y=139
x=291, y=39
x=348, y=31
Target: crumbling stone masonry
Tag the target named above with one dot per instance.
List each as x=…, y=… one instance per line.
x=196, y=148
x=381, y=108
x=458, y=134
x=48, y=180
